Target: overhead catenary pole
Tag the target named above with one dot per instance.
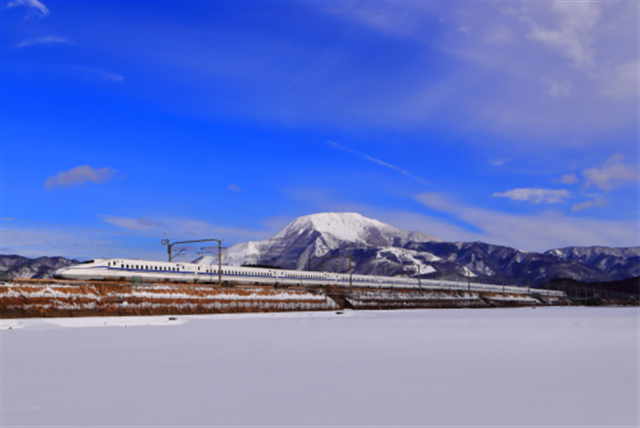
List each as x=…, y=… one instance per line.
x=170, y=245
x=350, y=272
x=219, y=241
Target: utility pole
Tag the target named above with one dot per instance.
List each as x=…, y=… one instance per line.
x=350, y=272
x=219, y=259
x=170, y=245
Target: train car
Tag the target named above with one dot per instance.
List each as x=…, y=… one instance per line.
x=154, y=271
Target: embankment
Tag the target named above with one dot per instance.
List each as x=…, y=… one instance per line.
x=51, y=298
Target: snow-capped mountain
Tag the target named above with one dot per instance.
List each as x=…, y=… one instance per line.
x=377, y=248
x=515, y=265
x=42, y=267
x=618, y=263
x=317, y=235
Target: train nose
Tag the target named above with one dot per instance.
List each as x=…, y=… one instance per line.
x=59, y=273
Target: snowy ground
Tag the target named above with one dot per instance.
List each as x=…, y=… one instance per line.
x=557, y=366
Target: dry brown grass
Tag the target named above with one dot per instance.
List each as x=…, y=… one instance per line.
x=41, y=298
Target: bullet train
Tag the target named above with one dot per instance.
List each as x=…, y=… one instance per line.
x=203, y=272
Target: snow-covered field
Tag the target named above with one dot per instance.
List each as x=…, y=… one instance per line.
x=556, y=366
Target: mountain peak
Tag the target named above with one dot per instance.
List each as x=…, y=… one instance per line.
x=317, y=234
x=350, y=227
x=344, y=226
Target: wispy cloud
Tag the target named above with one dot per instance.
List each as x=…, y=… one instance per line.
x=187, y=228
x=98, y=74
x=498, y=162
x=575, y=64
x=80, y=175
x=558, y=89
x=541, y=232
x=234, y=188
x=34, y=7
x=567, y=179
x=535, y=195
x=379, y=162
x=572, y=36
x=597, y=202
x=132, y=223
x=42, y=41
x=612, y=174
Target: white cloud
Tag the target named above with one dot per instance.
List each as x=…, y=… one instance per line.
x=549, y=229
x=132, y=223
x=567, y=179
x=436, y=201
x=42, y=41
x=498, y=162
x=379, y=162
x=574, y=98
x=559, y=89
x=35, y=7
x=621, y=81
x=573, y=36
x=80, y=175
x=234, y=188
x=612, y=174
x=185, y=228
x=536, y=196
x=597, y=202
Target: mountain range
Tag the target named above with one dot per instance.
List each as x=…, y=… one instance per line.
x=326, y=241
x=334, y=241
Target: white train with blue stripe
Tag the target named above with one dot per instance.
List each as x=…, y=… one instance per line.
x=154, y=271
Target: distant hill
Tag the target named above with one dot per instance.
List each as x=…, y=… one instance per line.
x=40, y=268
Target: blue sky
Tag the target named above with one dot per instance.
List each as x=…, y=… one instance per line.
x=513, y=123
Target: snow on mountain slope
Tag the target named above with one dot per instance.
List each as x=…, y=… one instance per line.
x=318, y=234
x=588, y=254
x=618, y=263
x=351, y=227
